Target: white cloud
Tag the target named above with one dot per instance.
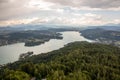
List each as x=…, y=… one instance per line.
x=40, y=4
x=16, y=22
x=116, y=21
x=78, y=19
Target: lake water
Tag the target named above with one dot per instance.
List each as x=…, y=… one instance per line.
x=10, y=53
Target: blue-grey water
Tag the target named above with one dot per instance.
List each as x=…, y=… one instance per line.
x=10, y=53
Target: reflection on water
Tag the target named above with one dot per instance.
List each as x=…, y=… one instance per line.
x=11, y=53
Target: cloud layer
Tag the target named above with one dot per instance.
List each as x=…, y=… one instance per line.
x=72, y=12
x=103, y=4
x=14, y=8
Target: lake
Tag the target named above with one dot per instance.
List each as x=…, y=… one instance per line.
x=10, y=53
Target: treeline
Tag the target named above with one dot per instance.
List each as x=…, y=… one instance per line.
x=101, y=34
x=30, y=37
x=76, y=61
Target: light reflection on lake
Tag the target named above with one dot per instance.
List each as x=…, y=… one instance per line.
x=10, y=53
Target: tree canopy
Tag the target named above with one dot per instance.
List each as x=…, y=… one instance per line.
x=76, y=61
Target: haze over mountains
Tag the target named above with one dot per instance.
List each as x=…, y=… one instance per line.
x=45, y=27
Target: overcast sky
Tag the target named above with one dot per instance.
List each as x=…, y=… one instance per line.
x=60, y=12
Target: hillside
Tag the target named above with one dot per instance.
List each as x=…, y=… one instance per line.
x=102, y=35
x=76, y=61
x=99, y=33
x=29, y=37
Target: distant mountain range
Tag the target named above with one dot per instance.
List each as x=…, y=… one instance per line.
x=113, y=28
x=22, y=27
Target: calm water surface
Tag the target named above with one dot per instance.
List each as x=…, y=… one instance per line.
x=10, y=53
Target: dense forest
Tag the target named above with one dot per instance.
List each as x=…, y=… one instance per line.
x=76, y=61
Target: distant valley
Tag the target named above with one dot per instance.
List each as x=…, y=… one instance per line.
x=37, y=34
x=78, y=60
